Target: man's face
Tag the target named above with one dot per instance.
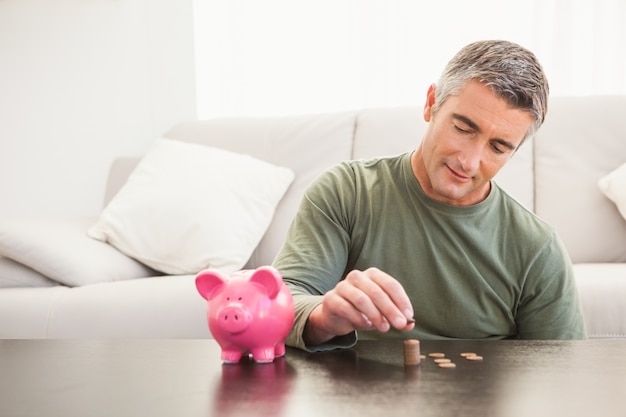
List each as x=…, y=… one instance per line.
x=472, y=135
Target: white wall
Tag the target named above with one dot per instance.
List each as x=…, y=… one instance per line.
x=277, y=57
x=81, y=82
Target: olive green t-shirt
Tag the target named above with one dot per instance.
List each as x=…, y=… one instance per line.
x=492, y=270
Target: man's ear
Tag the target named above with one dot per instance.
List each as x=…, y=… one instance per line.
x=430, y=102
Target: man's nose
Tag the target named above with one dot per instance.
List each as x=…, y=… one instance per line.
x=470, y=158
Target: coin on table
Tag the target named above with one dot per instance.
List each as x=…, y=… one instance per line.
x=474, y=358
x=437, y=355
x=447, y=365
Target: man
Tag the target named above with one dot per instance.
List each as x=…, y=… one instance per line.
x=424, y=244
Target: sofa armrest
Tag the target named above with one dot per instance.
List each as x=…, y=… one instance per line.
x=60, y=250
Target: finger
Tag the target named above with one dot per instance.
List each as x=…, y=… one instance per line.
x=366, y=297
x=394, y=290
x=341, y=314
x=388, y=297
x=358, y=307
x=409, y=326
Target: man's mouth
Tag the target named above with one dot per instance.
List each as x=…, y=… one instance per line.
x=458, y=174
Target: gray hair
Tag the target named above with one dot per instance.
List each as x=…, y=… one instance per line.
x=511, y=71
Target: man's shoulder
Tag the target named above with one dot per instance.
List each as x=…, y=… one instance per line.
x=355, y=179
x=388, y=160
x=374, y=166
x=525, y=219
x=354, y=169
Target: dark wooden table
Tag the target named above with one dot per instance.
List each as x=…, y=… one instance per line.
x=186, y=378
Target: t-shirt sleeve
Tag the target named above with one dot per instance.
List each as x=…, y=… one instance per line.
x=550, y=308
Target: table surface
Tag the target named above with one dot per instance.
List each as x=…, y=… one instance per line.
x=187, y=378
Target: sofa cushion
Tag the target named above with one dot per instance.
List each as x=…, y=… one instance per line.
x=60, y=250
x=154, y=307
x=187, y=207
x=25, y=312
x=613, y=186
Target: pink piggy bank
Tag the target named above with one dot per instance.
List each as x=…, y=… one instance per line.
x=249, y=312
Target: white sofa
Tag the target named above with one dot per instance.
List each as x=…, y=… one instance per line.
x=555, y=174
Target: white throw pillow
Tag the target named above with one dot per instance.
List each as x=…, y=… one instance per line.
x=187, y=207
x=60, y=250
x=613, y=186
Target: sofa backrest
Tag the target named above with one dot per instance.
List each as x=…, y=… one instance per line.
x=554, y=173
x=309, y=144
x=582, y=139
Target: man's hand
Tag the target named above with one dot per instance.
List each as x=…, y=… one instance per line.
x=363, y=300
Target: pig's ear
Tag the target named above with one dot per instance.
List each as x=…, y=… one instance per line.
x=269, y=278
x=208, y=281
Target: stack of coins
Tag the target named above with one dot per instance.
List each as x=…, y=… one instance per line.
x=412, y=352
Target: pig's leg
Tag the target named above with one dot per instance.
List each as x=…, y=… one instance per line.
x=279, y=350
x=263, y=354
x=231, y=355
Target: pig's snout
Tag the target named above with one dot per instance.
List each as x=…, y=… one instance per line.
x=234, y=319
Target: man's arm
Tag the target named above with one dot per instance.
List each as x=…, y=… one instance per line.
x=313, y=262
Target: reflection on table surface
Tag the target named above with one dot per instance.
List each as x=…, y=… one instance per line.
x=187, y=378
x=515, y=378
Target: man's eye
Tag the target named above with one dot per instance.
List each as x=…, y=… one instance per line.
x=461, y=130
x=497, y=148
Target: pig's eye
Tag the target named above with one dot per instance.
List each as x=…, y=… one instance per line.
x=240, y=298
